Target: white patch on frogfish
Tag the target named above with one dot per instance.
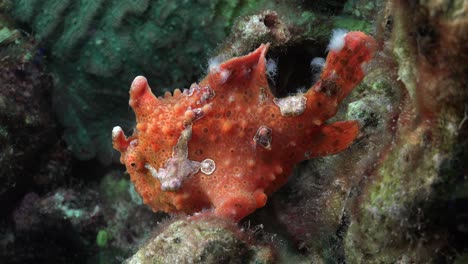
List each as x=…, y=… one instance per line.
x=178, y=167
x=292, y=105
x=337, y=40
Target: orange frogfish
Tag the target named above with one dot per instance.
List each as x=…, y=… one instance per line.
x=227, y=143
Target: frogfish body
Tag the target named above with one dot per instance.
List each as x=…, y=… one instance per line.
x=226, y=143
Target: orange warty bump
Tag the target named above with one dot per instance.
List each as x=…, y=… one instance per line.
x=226, y=143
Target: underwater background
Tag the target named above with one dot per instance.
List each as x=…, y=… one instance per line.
x=398, y=194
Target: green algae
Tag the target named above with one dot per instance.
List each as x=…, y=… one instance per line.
x=7, y=34
x=101, y=238
x=353, y=24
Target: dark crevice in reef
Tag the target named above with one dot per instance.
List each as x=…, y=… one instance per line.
x=294, y=72
x=338, y=240
x=91, y=170
x=451, y=212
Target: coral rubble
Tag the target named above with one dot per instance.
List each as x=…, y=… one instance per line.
x=202, y=240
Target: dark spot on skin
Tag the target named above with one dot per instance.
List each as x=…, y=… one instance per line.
x=218, y=115
x=336, y=143
x=335, y=60
x=348, y=75
x=339, y=129
x=228, y=113
x=205, y=130
x=329, y=88
x=263, y=137
x=133, y=164
x=198, y=152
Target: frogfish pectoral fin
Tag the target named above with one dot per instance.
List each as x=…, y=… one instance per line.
x=345, y=67
x=333, y=138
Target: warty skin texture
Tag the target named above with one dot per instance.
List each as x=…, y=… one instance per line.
x=231, y=118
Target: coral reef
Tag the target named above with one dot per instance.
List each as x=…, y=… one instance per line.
x=408, y=210
x=202, y=240
x=27, y=125
x=61, y=217
x=121, y=207
x=283, y=26
x=93, y=46
x=296, y=36
x=398, y=194
x=233, y=109
x=313, y=205
x=84, y=46
x=87, y=223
